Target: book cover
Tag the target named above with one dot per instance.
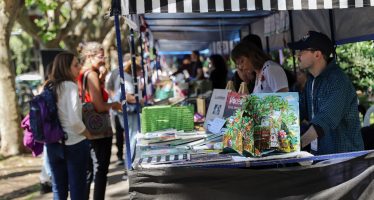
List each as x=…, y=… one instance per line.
x=234, y=101
x=217, y=105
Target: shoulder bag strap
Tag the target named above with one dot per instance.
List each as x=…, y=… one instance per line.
x=84, y=84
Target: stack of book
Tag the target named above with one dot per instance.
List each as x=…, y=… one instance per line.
x=169, y=138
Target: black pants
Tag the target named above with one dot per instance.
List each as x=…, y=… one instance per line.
x=119, y=137
x=98, y=166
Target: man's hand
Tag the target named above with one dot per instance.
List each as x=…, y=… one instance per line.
x=309, y=136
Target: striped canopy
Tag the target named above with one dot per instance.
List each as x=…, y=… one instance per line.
x=204, y=6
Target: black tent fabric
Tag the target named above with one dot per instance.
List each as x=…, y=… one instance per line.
x=350, y=179
x=198, y=6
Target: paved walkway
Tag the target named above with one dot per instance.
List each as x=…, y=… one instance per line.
x=19, y=179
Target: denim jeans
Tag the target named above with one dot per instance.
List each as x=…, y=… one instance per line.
x=68, y=166
x=132, y=119
x=98, y=167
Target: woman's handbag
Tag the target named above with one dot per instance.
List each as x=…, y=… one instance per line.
x=98, y=124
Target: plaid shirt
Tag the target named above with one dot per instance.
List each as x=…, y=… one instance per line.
x=335, y=111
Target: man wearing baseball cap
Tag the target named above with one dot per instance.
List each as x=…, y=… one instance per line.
x=330, y=104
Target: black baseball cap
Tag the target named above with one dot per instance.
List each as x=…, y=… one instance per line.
x=314, y=40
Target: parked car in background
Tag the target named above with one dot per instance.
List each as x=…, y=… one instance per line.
x=27, y=86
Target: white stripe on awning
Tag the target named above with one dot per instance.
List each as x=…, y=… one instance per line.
x=327, y=4
x=156, y=6
x=343, y=3
x=140, y=6
x=125, y=7
x=282, y=5
x=235, y=6
x=219, y=5
x=251, y=5
x=297, y=5
x=372, y=2
x=312, y=4
x=203, y=6
x=187, y=6
x=359, y=3
x=172, y=6
x=266, y=5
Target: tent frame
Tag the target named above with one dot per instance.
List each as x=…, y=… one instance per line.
x=116, y=12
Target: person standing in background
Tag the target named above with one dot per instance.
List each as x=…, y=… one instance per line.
x=196, y=66
x=113, y=86
x=218, y=74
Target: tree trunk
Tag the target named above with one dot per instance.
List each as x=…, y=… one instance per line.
x=11, y=134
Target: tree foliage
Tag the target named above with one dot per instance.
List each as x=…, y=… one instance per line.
x=21, y=45
x=65, y=24
x=61, y=24
x=357, y=60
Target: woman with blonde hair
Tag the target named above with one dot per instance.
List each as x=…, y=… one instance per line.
x=68, y=159
x=94, y=71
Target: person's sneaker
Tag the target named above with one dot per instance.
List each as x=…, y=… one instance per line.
x=45, y=188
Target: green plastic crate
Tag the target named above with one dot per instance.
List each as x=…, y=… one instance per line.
x=155, y=118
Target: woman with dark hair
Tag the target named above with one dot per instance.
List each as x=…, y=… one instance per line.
x=68, y=161
x=270, y=76
x=218, y=74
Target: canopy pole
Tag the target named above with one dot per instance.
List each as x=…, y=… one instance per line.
x=267, y=45
x=134, y=76
x=128, y=162
x=332, y=30
x=142, y=65
x=292, y=40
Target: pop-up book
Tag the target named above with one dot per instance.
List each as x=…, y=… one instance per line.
x=266, y=123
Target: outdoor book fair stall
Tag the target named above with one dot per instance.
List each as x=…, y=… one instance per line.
x=250, y=147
